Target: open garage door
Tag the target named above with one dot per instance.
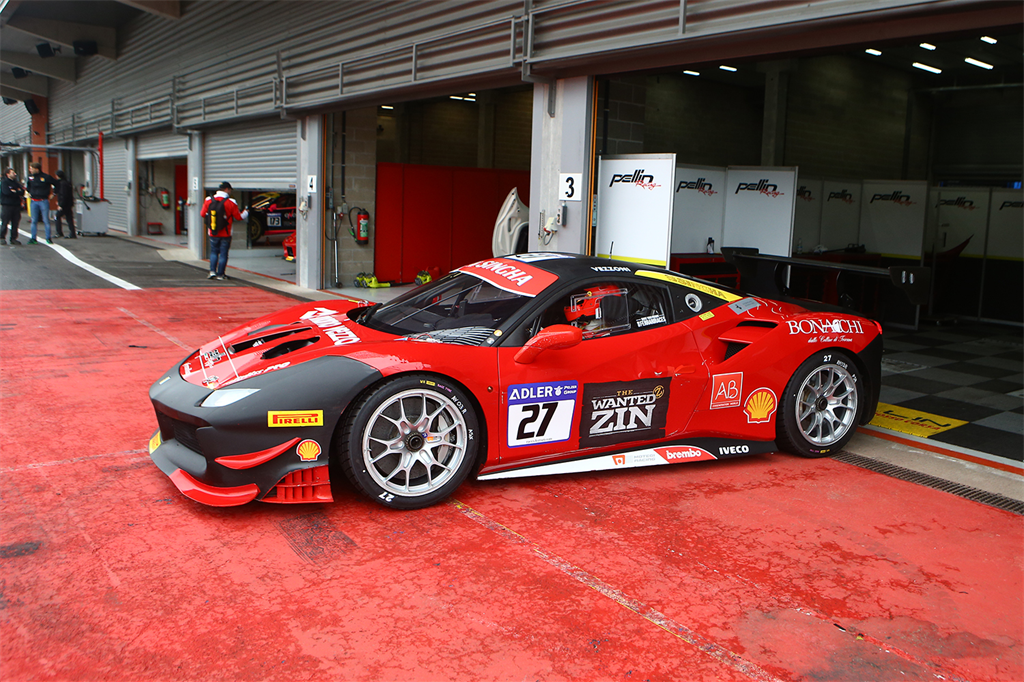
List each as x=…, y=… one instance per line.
x=254, y=156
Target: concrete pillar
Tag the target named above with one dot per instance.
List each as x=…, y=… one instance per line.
x=310, y=222
x=562, y=144
x=773, y=136
x=133, y=187
x=193, y=222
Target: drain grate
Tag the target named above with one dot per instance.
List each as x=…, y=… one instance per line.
x=965, y=491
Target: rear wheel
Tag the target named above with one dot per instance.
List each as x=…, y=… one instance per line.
x=257, y=227
x=410, y=442
x=821, y=406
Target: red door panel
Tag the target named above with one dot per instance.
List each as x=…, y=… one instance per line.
x=387, y=243
x=426, y=220
x=475, y=205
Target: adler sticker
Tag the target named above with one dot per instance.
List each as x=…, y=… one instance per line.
x=294, y=418
x=508, y=275
x=540, y=413
x=760, y=406
x=308, y=450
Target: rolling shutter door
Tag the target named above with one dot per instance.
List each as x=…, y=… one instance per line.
x=115, y=178
x=161, y=146
x=255, y=156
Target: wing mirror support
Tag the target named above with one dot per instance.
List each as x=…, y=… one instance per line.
x=555, y=337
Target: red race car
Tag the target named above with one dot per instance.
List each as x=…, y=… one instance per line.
x=518, y=366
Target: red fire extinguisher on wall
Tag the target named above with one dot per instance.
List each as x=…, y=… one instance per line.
x=164, y=196
x=361, y=227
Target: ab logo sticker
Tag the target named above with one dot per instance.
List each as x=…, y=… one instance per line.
x=726, y=390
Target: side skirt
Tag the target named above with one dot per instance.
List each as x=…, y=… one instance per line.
x=692, y=450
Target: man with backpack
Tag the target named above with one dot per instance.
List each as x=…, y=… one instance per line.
x=218, y=212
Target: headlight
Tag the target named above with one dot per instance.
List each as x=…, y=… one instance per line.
x=227, y=396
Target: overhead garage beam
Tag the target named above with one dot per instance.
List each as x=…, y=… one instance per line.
x=65, y=33
x=14, y=93
x=61, y=68
x=37, y=85
x=170, y=9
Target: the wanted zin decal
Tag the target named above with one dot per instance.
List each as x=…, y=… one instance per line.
x=622, y=411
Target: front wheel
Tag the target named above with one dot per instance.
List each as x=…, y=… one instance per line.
x=410, y=442
x=821, y=406
x=257, y=227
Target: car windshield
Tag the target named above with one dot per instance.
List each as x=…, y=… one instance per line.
x=458, y=308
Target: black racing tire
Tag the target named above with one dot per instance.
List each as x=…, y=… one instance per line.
x=821, y=406
x=257, y=227
x=409, y=442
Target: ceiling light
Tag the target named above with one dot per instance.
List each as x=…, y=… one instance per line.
x=975, y=62
x=989, y=40
x=925, y=67
x=386, y=106
x=927, y=46
x=472, y=94
x=454, y=97
x=872, y=51
x=727, y=68
x=692, y=73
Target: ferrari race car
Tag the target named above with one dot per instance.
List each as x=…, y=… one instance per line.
x=524, y=365
x=271, y=213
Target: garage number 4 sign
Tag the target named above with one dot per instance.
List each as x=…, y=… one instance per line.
x=540, y=413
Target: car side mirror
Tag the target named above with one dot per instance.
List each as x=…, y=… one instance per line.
x=555, y=337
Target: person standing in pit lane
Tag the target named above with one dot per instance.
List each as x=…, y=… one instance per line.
x=40, y=186
x=11, y=194
x=218, y=212
x=65, y=205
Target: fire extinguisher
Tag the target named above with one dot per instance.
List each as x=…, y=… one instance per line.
x=165, y=197
x=361, y=228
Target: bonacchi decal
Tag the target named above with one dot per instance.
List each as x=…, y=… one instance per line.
x=541, y=413
x=726, y=390
x=308, y=450
x=760, y=406
x=617, y=412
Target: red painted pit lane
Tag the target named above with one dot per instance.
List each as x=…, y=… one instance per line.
x=764, y=568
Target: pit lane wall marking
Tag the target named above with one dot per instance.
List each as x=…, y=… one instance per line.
x=913, y=422
x=117, y=281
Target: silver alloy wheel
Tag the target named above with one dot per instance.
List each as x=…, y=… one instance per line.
x=414, y=442
x=826, y=405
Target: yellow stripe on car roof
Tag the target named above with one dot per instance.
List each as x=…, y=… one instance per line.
x=682, y=281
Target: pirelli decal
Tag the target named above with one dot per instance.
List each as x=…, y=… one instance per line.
x=295, y=418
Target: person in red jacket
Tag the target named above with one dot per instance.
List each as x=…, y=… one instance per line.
x=218, y=212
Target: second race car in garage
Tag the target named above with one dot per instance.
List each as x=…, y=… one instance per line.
x=524, y=365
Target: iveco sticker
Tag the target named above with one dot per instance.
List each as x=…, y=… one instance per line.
x=760, y=406
x=617, y=412
x=726, y=390
x=278, y=418
x=693, y=302
x=308, y=450
x=540, y=413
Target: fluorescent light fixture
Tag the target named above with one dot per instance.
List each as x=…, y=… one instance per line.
x=974, y=62
x=927, y=46
x=989, y=40
x=454, y=97
x=925, y=67
x=386, y=106
x=723, y=67
x=472, y=94
x=692, y=73
x=873, y=52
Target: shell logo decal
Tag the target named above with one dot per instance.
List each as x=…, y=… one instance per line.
x=308, y=450
x=760, y=406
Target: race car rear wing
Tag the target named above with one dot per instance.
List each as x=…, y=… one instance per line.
x=768, y=276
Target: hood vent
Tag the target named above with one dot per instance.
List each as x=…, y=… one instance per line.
x=266, y=338
x=289, y=347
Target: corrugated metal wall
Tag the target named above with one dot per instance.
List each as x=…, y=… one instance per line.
x=115, y=178
x=15, y=123
x=163, y=145
x=227, y=60
x=259, y=155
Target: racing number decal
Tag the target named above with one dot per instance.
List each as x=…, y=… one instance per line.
x=540, y=413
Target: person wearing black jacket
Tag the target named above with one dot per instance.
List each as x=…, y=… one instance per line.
x=40, y=186
x=65, y=204
x=11, y=194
